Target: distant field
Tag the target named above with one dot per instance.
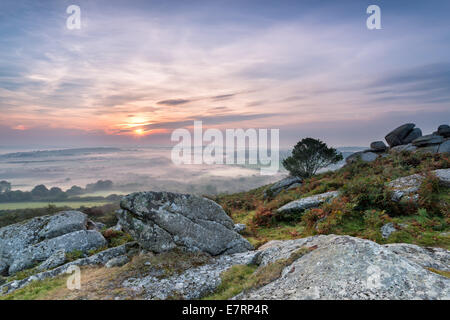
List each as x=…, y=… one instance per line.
x=34, y=205
x=102, y=193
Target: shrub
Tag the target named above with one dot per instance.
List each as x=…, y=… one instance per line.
x=368, y=193
x=429, y=194
x=263, y=217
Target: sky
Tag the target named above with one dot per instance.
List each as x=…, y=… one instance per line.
x=137, y=70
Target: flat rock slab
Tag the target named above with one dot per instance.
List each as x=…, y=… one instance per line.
x=83, y=241
x=364, y=156
x=348, y=268
x=427, y=140
x=407, y=187
x=161, y=221
x=283, y=184
x=308, y=202
x=404, y=147
x=436, y=258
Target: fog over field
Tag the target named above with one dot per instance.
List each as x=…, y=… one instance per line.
x=130, y=169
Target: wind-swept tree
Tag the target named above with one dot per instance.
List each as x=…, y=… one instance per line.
x=5, y=186
x=310, y=155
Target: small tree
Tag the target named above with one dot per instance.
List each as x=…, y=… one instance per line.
x=308, y=156
x=5, y=186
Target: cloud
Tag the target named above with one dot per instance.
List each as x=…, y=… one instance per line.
x=284, y=66
x=208, y=120
x=426, y=84
x=173, y=102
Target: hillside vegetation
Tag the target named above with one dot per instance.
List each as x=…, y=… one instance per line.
x=364, y=206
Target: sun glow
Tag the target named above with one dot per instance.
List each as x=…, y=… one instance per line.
x=139, y=132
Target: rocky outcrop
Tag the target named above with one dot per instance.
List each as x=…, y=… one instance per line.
x=338, y=267
x=302, y=204
x=427, y=140
x=364, y=156
x=284, y=184
x=117, y=261
x=333, y=267
x=387, y=230
x=343, y=267
x=416, y=133
x=378, y=146
x=444, y=176
x=406, y=138
x=444, y=147
x=194, y=283
x=404, y=147
x=444, y=130
x=100, y=258
x=436, y=258
x=239, y=227
x=24, y=245
x=161, y=221
x=406, y=188
x=397, y=136
x=414, y=141
x=55, y=260
x=83, y=241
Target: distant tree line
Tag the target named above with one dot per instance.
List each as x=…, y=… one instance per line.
x=42, y=193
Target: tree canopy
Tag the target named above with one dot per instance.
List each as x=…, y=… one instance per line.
x=310, y=155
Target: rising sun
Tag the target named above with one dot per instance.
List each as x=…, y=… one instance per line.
x=139, y=132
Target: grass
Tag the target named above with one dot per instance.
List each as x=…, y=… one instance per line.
x=37, y=290
x=100, y=283
x=164, y=264
x=242, y=278
x=441, y=272
x=35, y=205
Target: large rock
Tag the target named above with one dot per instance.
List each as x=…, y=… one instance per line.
x=283, y=184
x=414, y=134
x=444, y=176
x=396, y=137
x=55, y=260
x=432, y=148
x=407, y=187
x=387, y=230
x=444, y=130
x=117, y=261
x=194, y=283
x=436, y=258
x=365, y=156
x=161, y=221
x=83, y=241
x=343, y=267
x=404, y=147
x=302, y=204
x=444, y=147
x=378, y=146
x=429, y=139
x=28, y=243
